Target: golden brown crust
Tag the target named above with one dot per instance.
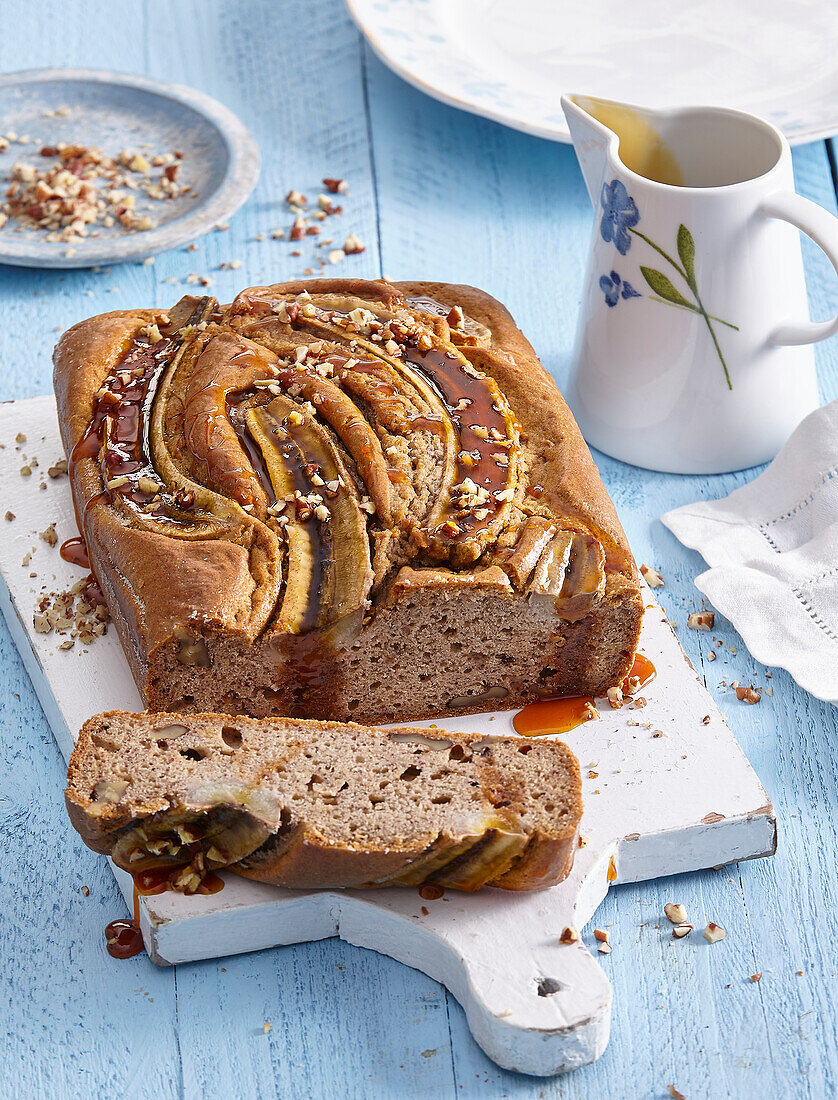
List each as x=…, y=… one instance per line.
x=224, y=584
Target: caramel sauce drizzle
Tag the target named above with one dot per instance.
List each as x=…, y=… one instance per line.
x=235, y=404
x=485, y=441
x=157, y=880
x=116, y=414
x=117, y=433
x=475, y=406
x=213, y=422
x=392, y=408
x=452, y=383
x=123, y=937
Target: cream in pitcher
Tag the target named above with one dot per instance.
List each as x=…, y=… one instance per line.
x=693, y=350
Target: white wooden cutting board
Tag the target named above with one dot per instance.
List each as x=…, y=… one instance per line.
x=659, y=805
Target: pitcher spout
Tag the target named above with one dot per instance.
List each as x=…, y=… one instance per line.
x=628, y=136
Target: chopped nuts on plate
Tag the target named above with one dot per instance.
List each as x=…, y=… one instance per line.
x=119, y=174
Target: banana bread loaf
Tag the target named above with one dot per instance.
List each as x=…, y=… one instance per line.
x=345, y=500
x=319, y=804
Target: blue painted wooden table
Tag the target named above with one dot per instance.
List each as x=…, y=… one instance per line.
x=441, y=195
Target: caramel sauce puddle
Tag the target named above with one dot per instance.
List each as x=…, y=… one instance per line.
x=569, y=711
x=554, y=715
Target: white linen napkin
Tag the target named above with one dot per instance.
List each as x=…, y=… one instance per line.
x=772, y=548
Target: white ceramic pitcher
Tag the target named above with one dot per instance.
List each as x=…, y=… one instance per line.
x=692, y=351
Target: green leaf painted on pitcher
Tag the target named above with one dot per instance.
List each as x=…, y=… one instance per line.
x=666, y=293
x=686, y=253
x=664, y=288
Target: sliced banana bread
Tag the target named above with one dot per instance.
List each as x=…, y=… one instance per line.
x=307, y=804
x=342, y=499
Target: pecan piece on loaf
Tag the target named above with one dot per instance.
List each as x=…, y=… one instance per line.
x=342, y=499
x=321, y=804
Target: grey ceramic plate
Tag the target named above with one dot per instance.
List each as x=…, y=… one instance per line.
x=117, y=111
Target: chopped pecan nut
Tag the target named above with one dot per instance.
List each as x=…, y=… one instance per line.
x=335, y=186
x=701, y=620
x=651, y=576
x=713, y=932
x=352, y=245
x=747, y=694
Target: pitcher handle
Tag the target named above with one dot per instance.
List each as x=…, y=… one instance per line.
x=822, y=227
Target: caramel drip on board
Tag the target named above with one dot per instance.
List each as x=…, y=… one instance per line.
x=642, y=671
x=74, y=551
x=569, y=711
x=554, y=715
x=123, y=937
x=431, y=892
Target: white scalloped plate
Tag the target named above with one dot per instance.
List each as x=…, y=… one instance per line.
x=511, y=60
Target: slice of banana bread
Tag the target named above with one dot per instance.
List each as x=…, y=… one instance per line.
x=307, y=804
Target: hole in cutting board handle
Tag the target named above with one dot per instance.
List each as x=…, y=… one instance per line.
x=548, y=986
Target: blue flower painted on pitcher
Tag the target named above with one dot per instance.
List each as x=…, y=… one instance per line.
x=614, y=288
x=619, y=214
